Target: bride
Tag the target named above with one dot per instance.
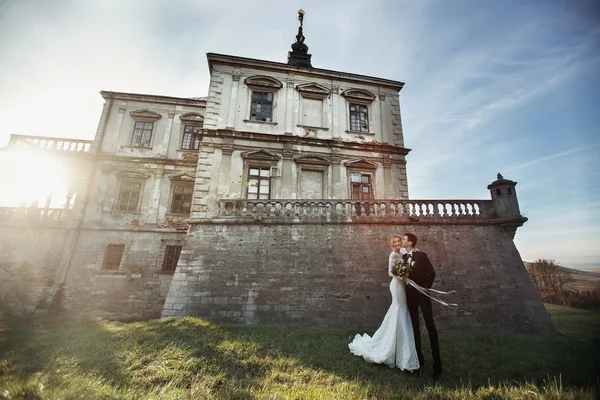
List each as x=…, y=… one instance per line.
x=393, y=343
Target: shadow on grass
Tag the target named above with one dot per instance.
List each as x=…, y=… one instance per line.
x=238, y=360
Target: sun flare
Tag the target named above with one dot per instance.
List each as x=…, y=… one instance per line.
x=29, y=177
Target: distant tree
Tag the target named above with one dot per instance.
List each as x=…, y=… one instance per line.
x=548, y=276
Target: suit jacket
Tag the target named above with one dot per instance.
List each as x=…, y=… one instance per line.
x=422, y=272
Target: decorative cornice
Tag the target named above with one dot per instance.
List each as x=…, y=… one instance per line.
x=313, y=91
x=360, y=164
x=192, y=117
x=360, y=95
x=132, y=174
x=184, y=177
x=312, y=159
x=145, y=113
x=260, y=155
x=263, y=82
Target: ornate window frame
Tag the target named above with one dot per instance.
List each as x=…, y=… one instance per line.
x=196, y=121
x=143, y=116
x=260, y=159
x=130, y=176
x=313, y=91
x=359, y=97
x=184, y=179
x=265, y=84
x=362, y=167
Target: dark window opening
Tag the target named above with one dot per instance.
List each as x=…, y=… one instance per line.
x=359, y=118
x=113, y=256
x=182, y=199
x=191, y=138
x=262, y=106
x=171, y=258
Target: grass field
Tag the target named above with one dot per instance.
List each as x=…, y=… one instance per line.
x=582, y=325
x=190, y=358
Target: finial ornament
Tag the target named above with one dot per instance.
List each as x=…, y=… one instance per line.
x=299, y=55
x=500, y=176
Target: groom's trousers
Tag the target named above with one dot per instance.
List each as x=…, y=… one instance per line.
x=415, y=300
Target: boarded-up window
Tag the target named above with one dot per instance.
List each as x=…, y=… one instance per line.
x=113, y=256
x=313, y=112
x=312, y=184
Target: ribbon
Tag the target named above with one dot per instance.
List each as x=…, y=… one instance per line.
x=426, y=292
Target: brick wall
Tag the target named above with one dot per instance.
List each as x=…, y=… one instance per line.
x=336, y=275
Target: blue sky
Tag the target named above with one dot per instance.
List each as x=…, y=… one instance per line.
x=491, y=86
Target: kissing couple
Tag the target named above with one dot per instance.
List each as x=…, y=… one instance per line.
x=397, y=342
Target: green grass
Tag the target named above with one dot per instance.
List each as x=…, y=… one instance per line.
x=578, y=324
x=189, y=358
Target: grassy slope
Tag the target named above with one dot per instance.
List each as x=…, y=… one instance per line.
x=582, y=325
x=190, y=358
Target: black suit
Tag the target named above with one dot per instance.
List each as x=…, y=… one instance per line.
x=422, y=274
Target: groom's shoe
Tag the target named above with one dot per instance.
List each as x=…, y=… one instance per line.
x=437, y=374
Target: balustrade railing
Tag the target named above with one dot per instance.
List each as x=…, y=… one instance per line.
x=33, y=213
x=49, y=143
x=349, y=209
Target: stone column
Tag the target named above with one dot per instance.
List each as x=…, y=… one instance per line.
x=335, y=115
x=388, y=183
x=167, y=136
x=225, y=171
x=286, y=175
x=155, y=199
x=289, y=107
x=232, y=112
x=336, y=177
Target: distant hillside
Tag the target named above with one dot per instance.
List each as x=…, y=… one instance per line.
x=584, y=280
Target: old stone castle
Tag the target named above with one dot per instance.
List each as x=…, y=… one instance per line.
x=268, y=201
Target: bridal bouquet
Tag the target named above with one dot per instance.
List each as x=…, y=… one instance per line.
x=402, y=266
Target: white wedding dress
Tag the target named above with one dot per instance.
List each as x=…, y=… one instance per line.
x=393, y=343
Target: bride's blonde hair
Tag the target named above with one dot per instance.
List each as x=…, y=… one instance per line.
x=391, y=239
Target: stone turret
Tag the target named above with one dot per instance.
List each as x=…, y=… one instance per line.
x=506, y=204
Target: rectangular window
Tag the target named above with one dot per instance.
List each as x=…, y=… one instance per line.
x=182, y=199
x=262, y=106
x=360, y=186
x=191, y=138
x=259, y=183
x=113, y=256
x=129, y=196
x=142, y=133
x=359, y=118
x=171, y=258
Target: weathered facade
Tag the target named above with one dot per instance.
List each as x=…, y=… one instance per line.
x=269, y=201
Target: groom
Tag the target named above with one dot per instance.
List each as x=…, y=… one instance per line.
x=422, y=274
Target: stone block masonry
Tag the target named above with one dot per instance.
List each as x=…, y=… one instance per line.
x=335, y=274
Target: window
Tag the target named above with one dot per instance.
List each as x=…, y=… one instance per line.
x=261, y=108
x=191, y=137
x=182, y=199
x=359, y=118
x=129, y=196
x=142, y=133
x=259, y=183
x=171, y=258
x=360, y=186
x=113, y=256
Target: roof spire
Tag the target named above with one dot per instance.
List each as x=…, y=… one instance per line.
x=299, y=56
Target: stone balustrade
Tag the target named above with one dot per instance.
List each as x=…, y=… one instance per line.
x=33, y=213
x=48, y=143
x=359, y=210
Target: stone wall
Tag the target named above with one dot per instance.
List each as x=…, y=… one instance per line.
x=332, y=274
x=136, y=291
x=30, y=258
